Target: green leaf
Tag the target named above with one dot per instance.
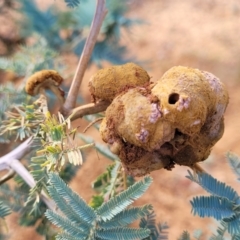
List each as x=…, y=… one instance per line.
x=127, y=217
x=72, y=3
x=68, y=226
x=122, y=233
x=220, y=232
x=158, y=231
x=115, y=205
x=67, y=210
x=185, y=236
x=212, y=206
x=233, y=224
x=65, y=236
x=113, y=180
x=4, y=210
x=234, y=162
x=236, y=237
x=96, y=201
x=214, y=187
x=197, y=234
x=76, y=202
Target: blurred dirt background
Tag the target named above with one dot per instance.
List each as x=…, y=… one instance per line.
x=200, y=34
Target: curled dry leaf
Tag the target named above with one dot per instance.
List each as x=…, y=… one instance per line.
x=176, y=120
x=45, y=79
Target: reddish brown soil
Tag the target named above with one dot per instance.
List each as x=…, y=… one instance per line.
x=199, y=34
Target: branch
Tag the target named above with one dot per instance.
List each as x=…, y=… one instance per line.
x=10, y=161
x=197, y=168
x=10, y=174
x=88, y=109
x=27, y=177
x=86, y=54
x=17, y=153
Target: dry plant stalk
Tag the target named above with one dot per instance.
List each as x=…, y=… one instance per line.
x=99, y=16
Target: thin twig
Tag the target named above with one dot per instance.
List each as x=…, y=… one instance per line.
x=88, y=109
x=197, y=168
x=10, y=174
x=17, y=153
x=91, y=123
x=99, y=16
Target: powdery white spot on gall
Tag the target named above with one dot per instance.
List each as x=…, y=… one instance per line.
x=155, y=113
x=143, y=135
x=183, y=103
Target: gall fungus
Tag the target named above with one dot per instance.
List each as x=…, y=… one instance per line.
x=180, y=126
x=45, y=79
x=108, y=82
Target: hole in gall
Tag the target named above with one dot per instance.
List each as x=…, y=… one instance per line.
x=178, y=133
x=173, y=98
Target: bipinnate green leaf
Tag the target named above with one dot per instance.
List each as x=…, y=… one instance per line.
x=117, y=204
x=67, y=210
x=233, y=224
x=234, y=162
x=72, y=3
x=110, y=221
x=212, y=206
x=65, y=236
x=185, y=236
x=4, y=210
x=158, y=230
x=127, y=217
x=214, y=187
x=114, y=178
x=68, y=226
x=122, y=233
x=76, y=202
x=236, y=237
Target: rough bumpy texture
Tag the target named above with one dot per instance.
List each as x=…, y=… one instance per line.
x=42, y=79
x=108, y=82
x=177, y=120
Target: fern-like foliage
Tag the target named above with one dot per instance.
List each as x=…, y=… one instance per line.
x=122, y=233
x=223, y=204
x=110, y=221
x=4, y=210
x=214, y=187
x=109, y=184
x=212, y=206
x=57, y=144
x=41, y=22
x=197, y=234
x=16, y=199
x=9, y=95
x=117, y=204
x=185, y=236
x=22, y=121
x=127, y=217
x=158, y=231
x=108, y=50
x=30, y=59
x=49, y=23
x=220, y=231
x=72, y=3
x=234, y=162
